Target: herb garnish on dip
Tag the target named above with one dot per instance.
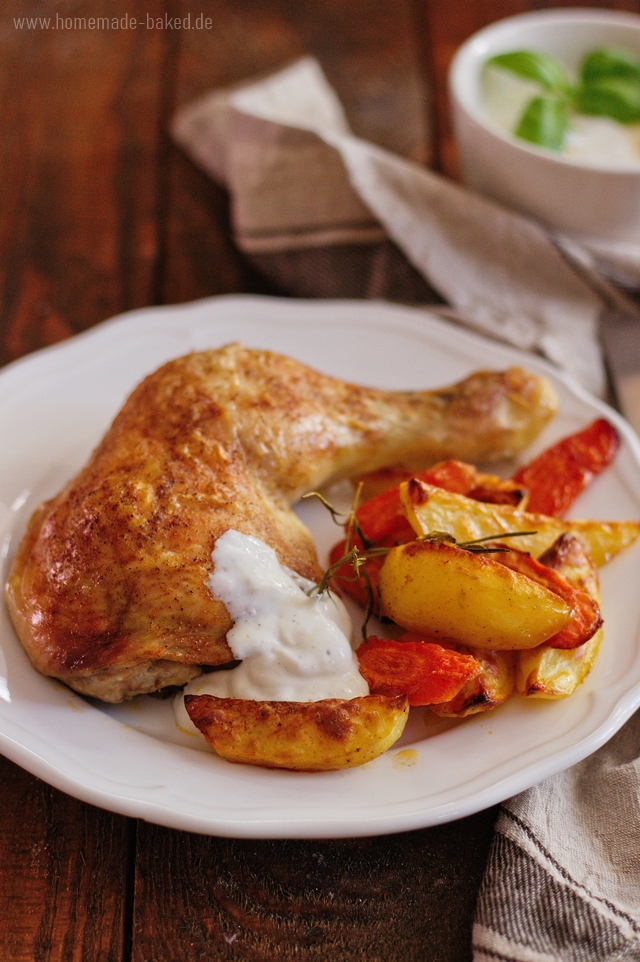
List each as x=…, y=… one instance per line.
x=596, y=119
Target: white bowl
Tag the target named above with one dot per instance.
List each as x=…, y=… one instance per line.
x=589, y=201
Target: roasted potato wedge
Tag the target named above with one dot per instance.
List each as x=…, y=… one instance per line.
x=314, y=736
x=494, y=490
x=551, y=673
x=495, y=683
x=547, y=672
x=430, y=509
x=447, y=592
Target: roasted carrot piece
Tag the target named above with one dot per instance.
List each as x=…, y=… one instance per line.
x=382, y=517
x=557, y=476
x=423, y=670
x=356, y=587
x=455, y=476
x=586, y=613
x=456, y=473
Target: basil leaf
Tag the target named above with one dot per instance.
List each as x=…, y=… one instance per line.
x=544, y=122
x=533, y=66
x=609, y=62
x=615, y=97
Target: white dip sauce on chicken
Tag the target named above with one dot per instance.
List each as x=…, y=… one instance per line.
x=292, y=646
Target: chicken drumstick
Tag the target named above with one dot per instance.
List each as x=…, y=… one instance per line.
x=108, y=591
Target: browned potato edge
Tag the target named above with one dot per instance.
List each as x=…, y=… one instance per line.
x=303, y=736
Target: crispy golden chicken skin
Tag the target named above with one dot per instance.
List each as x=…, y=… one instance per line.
x=108, y=591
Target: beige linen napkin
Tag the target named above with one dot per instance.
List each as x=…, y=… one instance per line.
x=326, y=214
x=563, y=879
x=618, y=260
x=300, y=181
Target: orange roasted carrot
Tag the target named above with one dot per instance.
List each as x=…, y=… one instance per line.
x=423, y=670
x=557, y=476
x=381, y=518
x=586, y=613
x=356, y=587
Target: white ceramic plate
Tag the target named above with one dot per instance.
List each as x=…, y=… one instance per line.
x=55, y=406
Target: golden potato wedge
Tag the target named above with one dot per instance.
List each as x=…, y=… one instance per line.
x=430, y=509
x=447, y=592
x=604, y=539
x=495, y=491
x=555, y=672
x=495, y=683
x=314, y=736
x=547, y=672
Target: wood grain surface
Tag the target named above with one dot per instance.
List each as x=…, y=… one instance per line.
x=366, y=899
x=100, y=213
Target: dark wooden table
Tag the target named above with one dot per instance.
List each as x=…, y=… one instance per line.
x=100, y=213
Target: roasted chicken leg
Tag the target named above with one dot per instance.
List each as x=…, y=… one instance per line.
x=108, y=591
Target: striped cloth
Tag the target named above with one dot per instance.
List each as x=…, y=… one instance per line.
x=563, y=879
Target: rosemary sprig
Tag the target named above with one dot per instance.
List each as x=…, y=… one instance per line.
x=346, y=519
x=356, y=557
x=474, y=546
